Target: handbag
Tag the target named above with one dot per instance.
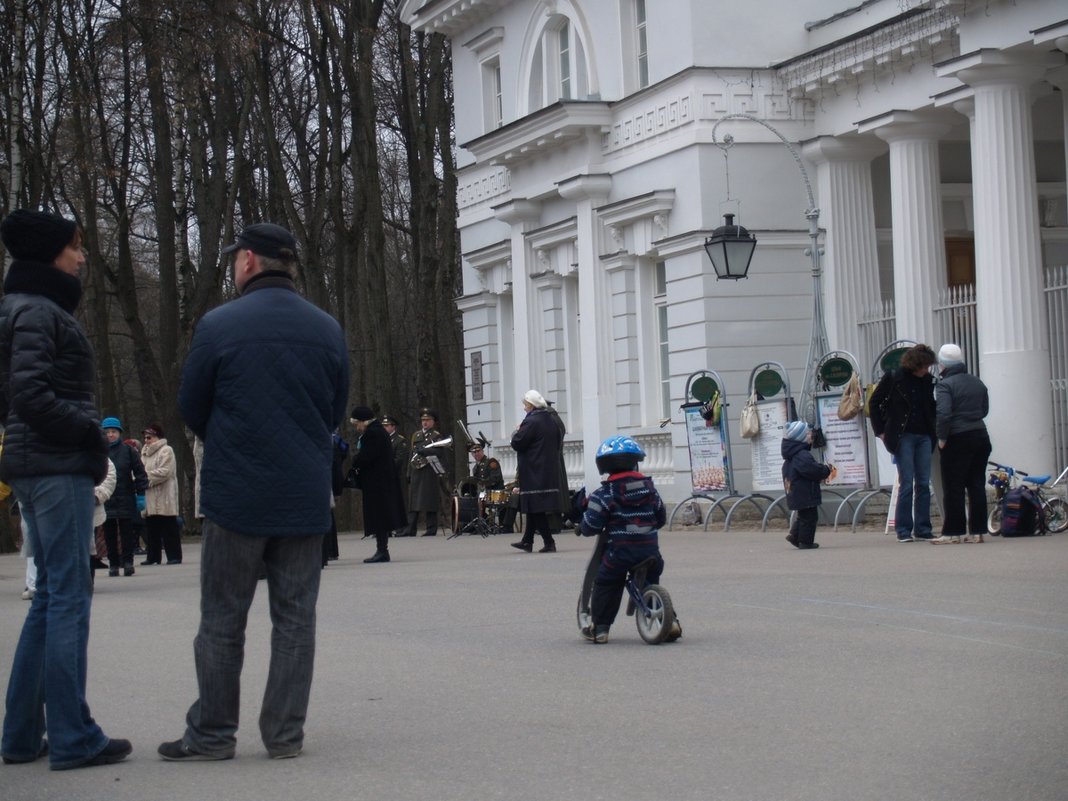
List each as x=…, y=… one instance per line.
x=851, y=403
x=750, y=418
x=712, y=410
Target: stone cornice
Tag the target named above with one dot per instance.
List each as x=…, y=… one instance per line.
x=448, y=17
x=545, y=129
x=490, y=255
x=912, y=37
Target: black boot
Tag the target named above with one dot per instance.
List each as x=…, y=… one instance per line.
x=380, y=556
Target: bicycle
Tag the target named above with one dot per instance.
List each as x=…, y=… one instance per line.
x=1005, y=478
x=649, y=604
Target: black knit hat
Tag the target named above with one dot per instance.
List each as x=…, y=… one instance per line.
x=36, y=235
x=363, y=414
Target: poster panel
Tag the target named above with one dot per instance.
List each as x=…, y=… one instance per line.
x=708, y=457
x=845, y=442
x=767, y=445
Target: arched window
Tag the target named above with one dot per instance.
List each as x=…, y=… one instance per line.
x=558, y=67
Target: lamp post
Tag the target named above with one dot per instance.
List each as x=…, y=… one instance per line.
x=818, y=343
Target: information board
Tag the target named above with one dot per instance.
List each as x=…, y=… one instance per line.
x=845, y=442
x=767, y=445
x=708, y=457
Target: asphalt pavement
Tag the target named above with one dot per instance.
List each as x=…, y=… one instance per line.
x=865, y=670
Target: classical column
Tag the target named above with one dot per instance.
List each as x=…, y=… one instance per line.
x=916, y=208
x=847, y=211
x=598, y=399
x=1010, y=306
x=551, y=335
x=621, y=276
x=521, y=215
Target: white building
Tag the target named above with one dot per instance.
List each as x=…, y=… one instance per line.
x=589, y=179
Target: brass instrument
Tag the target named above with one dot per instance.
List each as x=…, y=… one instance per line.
x=420, y=460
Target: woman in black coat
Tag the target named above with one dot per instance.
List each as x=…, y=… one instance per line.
x=372, y=466
x=537, y=443
x=903, y=417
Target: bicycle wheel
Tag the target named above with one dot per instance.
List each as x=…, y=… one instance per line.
x=582, y=609
x=1056, y=514
x=993, y=520
x=655, y=627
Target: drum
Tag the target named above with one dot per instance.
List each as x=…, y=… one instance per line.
x=464, y=510
x=496, y=497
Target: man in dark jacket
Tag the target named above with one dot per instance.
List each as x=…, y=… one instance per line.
x=54, y=454
x=126, y=502
x=961, y=403
x=903, y=417
x=426, y=472
x=537, y=443
x=264, y=386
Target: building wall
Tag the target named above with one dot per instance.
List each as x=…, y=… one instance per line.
x=566, y=211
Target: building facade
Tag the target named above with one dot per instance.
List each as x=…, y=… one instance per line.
x=592, y=168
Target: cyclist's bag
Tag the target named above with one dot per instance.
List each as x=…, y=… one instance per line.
x=1021, y=514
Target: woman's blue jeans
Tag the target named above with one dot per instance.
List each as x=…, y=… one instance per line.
x=48, y=675
x=913, y=458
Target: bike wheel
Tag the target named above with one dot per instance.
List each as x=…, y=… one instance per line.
x=993, y=520
x=655, y=626
x=582, y=610
x=1056, y=514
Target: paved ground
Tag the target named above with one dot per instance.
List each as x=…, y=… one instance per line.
x=863, y=670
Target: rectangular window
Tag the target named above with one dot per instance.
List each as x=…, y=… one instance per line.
x=565, y=61
x=498, y=97
x=492, y=97
x=642, y=44
x=660, y=302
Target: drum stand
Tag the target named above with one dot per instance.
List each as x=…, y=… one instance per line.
x=480, y=525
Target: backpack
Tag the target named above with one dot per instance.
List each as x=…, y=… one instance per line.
x=1021, y=514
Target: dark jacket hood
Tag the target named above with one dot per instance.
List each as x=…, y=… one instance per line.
x=791, y=447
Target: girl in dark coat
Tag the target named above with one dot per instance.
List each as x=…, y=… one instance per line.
x=537, y=443
x=903, y=417
x=372, y=464
x=802, y=474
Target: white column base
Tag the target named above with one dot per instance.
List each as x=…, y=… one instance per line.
x=1021, y=417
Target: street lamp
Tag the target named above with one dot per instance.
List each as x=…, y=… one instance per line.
x=730, y=248
x=818, y=343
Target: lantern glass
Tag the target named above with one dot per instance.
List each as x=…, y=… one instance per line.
x=730, y=249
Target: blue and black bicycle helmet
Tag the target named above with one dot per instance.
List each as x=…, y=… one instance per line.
x=618, y=454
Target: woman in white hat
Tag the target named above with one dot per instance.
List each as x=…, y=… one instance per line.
x=537, y=443
x=961, y=403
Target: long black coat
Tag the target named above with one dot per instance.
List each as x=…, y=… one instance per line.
x=130, y=480
x=537, y=443
x=383, y=505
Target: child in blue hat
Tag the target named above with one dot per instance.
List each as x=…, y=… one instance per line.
x=801, y=475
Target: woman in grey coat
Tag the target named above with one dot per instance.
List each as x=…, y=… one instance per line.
x=961, y=403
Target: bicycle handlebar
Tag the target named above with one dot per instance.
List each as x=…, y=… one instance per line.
x=1010, y=470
